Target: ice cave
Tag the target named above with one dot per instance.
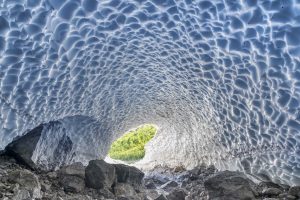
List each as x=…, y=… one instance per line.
x=220, y=78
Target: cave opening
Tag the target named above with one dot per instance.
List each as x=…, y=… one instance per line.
x=131, y=146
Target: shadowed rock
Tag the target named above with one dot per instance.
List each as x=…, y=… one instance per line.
x=270, y=192
x=72, y=177
x=99, y=174
x=169, y=185
x=22, y=148
x=127, y=174
x=161, y=197
x=228, y=185
x=177, y=194
x=29, y=185
x=295, y=191
x=124, y=189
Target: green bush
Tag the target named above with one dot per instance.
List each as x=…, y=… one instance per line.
x=131, y=146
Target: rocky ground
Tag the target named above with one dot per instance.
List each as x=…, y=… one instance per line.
x=100, y=180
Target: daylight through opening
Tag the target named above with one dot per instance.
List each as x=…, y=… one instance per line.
x=130, y=147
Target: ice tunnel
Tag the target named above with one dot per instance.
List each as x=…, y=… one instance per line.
x=221, y=79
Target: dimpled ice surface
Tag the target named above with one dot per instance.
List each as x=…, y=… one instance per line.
x=221, y=79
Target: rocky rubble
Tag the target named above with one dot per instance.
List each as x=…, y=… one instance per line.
x=204, y=183
x=100, y=180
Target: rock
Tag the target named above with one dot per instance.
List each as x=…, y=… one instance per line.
x=106, y=193
x=122, y=198
x=2, y=188
x=295, y=191
x=73, y=197
x=23, y=147
x=142, y=196
x=211, y=169
x=271, y=192
x=124, y=189
x=161, y=197
x=127, y=198
x=149, y=184
x=176, y=194
x=169, y=185
x=201, y=169
x=184, y=183
x=72, y=177
x=130, y=175
x=99, y=174
x=267, y=184
x=179, y=168
x=52, y=175
x=27, y=181
x=152, y=194
x=73, y=184
x=75, y=169
x=202, y=194
x=45, y=187
x=183, y=177
x=22, y=195
x=9, y=194
x=196, y=172
x=61, y=152
x=61, y=193
x=193, y=177
x=158, y=180
x=287, y=196
x=229, y=185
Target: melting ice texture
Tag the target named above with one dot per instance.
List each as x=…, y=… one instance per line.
x=220, y=78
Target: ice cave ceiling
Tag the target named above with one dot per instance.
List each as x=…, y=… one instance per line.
x=220, y=78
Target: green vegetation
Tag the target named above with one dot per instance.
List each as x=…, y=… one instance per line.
x=131, y=146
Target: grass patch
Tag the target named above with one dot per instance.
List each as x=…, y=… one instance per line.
x=131, y=146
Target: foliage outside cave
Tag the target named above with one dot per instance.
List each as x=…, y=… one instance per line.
x=131, y=146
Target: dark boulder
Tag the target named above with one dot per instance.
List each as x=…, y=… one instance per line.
x=157, y=179
x=176, y=194
x=161, y=197
x=99, y=174
x=22, y=148
x=271, y=192
x=267, y=184
x=72, y=177
x=270, y=189
x=130, y=175
x=229, y=185
x=295, y=191
x=169, y=185
x=149, y=184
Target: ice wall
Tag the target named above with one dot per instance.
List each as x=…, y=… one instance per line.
x=220, y=78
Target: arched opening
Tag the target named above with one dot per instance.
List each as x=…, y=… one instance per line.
x=130, y=147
